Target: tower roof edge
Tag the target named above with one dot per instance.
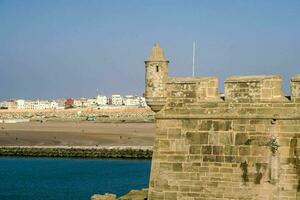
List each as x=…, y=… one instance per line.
x=157, y=54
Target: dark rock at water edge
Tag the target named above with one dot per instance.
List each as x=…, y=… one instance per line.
x=132, y=195
x=129, y=153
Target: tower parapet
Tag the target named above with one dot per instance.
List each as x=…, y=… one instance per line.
x=295, y=87
x=156, y=78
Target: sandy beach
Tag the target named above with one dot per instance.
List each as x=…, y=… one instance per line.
x=76, y=134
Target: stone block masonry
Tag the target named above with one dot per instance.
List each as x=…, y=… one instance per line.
x=243, y=145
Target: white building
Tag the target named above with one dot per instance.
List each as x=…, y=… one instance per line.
x=60, y=104
x=83, y=102
x=7, y=105
x=101, y=100
x=116, y=100
x=142, y=102
x=41, y=105
x=130, y=100
x=78, y=103
x=20, y=104
x=54, y=105
x=92, y=102
x=10, y=104
x=29, y=105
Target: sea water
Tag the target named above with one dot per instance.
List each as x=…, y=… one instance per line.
x=64, y=179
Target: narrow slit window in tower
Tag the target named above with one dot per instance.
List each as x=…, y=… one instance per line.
x=157, y=68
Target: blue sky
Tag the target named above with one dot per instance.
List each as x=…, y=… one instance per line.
x=69, y=48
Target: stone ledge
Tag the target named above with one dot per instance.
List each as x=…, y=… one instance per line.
x=257, y=78
x=190, y=79
x=210, y=116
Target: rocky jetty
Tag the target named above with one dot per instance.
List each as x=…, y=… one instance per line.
x=132, y=195
x=81, y=152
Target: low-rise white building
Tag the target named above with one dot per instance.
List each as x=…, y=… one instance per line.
x=29, y=105
x=142, y=101
x=10, y=104
x=4, y=105
x=60, y=104
x=78, y=103
x=83, y=102
x=116, y=100
x=20, y=104
x=41, y=105
x=101, y=100
x=130, y=100
x=92, y=102
x=54, y=105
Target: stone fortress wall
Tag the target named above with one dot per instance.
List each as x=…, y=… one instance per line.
x=244, y=144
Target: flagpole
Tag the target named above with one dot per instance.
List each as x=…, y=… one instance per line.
x=194, y=49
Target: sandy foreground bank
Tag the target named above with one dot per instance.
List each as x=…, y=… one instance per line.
x=77, y=134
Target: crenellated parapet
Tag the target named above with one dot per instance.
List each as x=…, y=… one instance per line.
x=162, y=90
x=190, y=91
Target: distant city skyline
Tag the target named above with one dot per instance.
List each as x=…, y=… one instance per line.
x=70, y=48
x=95, y=102
x=64, y=98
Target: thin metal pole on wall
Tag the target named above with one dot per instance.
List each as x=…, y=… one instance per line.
x=194, y=49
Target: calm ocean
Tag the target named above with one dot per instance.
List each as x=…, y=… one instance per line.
x=64, y=179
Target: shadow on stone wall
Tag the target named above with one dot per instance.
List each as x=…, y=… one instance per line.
x=294, y=159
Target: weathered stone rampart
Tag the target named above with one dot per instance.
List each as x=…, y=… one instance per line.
x=244, y=144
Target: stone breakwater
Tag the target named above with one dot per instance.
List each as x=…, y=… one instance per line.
x=122, y=152
x=101, y=115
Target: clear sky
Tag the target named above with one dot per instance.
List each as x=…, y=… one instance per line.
x=69, y=48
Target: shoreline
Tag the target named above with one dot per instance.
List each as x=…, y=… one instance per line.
x=120, y=152
x=104, y=115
